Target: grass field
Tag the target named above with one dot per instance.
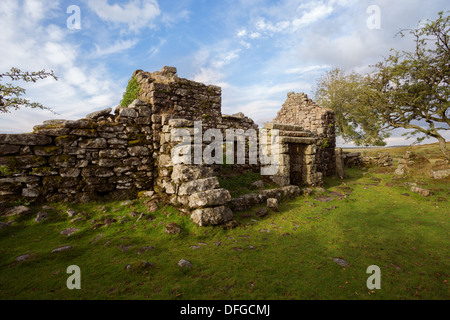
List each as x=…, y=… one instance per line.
x=371, y=218
x=430, y=151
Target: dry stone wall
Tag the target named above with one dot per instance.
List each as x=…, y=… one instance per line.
x=103, y=156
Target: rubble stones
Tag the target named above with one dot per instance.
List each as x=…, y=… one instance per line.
x=421, y=191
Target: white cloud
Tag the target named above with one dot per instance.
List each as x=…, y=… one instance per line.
x=116, y=47
x=136, y=13
x=242, y=33
x=314, y=13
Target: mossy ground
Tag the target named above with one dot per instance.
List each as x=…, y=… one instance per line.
x=372, y=218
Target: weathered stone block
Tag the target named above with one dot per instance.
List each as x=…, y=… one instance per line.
x=47, y=151
x=138, y=151
x=98, y=143
x=209, y=198
x=25, y=139
x=129, y=113
x=192, y=187
x=212, y=216
x=100, y=172
x=6, y=149
x=113, y=153
x=99, y=114
x=185, y=173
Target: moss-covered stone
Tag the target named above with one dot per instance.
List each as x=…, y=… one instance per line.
x=47, y=150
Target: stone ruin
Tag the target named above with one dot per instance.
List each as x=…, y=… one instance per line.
x=125, y=154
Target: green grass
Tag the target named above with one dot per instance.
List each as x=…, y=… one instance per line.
x=406, y=236
x=430, y=151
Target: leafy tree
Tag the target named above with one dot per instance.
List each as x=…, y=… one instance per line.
x=10, y=95
x=408, y=90
x=411, y=89
x=346, y=95
x=131, y=93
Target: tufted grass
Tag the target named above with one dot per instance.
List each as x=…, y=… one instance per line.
x=286, y=255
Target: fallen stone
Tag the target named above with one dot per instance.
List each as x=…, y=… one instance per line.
x=421, y=191
x=22, y=258
x=41, y=216
x=340, y=262
x=152, y=206
x=261, y=213
x=18, y=211
x=231, y=225
x=272, y=203
x=126, y=203
x=184, y=264
x=208, y=198
x=60, y=249
x=71, y=213
x=172, y=228
x=325, y=199
x=212, y=216
x=69, y=232
x=440, y=174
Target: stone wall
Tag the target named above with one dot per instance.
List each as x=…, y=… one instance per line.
x=103, y=156
x=301, y=111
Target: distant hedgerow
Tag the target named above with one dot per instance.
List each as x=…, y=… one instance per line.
x=131, y=93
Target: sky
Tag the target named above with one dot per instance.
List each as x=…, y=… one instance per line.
x=256, y=50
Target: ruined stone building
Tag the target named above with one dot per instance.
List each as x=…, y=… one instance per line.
x=117, y=155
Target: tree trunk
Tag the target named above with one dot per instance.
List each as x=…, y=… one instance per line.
x=443, y=146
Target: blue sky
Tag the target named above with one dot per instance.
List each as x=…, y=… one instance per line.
x=256, y=50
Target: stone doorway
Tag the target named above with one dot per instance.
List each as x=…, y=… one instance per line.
x=297, y=162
